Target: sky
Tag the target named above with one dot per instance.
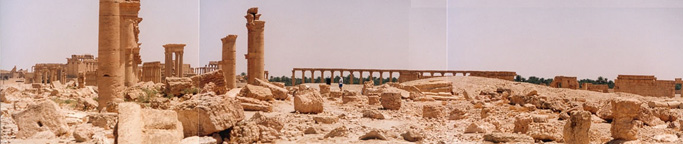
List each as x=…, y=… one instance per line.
x=583, y=38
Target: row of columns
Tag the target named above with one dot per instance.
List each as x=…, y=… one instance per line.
x=371, y=72
x=48, y=75
x=202, y=70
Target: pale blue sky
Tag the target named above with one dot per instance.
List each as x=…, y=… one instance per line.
x=584, y=38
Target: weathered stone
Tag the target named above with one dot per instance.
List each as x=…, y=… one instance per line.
x=251, y=104
x=591, y=107
x=624, y=129
x=373, y=100
x=373, y=114
x=432, y=111
x=136, y=125
x=257, y=92
x=83, y=133
x=87, y=104
x=103, y=120
x=391, y=100
x=176, y=85
x=207, y=113
x=338, y=132
x=577, y=128
x=41, y=117
x=412, y=136
x=308, y=101
x=335, y=94
x=325, y=119
x=278, y=92
x=497, y=137
x=271, y=122
x=215, y=77
x=351, y=99
x=457, y=113
x=545, y=131
x=665, y=114
x=479, y=127
x=522, y=123
x=373, y=134
x=324, y=90
x=623, y=125
x=311, y=130
x=198, y=140
x=250, y=132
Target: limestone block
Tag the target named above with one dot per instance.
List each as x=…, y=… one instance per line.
x=324, y=90
x=497, y=137
x=278, y=92
x=373, y=114
x=432, y=111
x=251, y=104
x=215, y=77
x=522, y=123
x=207, y=113
x=176, y=85
x=44, y=116
x=136, y=125
x=308, y=101
x=257, y=92
x=391, y=100
x=577, y=128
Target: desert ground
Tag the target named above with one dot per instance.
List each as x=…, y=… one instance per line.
x=479, y=110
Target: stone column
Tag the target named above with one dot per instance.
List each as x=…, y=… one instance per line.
x=312, y=76
x=180, y=65
x=229, y=61
x=351, y=78
x=127, y=38
x=168, y=71
x=255, y=45
x=371, y=78
x=322, y=76
x=381, y=78
x=293, y=78
x=391, y=77
x=110, y=66
x=303, y=76
x=362, y=79
x=38, y=76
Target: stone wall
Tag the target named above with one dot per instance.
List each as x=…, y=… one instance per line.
x=565, y=82
x=645, y=86
x=596, y=87
x=496, y=74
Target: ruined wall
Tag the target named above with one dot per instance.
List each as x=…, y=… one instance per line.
x=91, y=78
x=408, y=76
x=645, y=86
x=596, y=87
x=565, y=82
x=495, y=74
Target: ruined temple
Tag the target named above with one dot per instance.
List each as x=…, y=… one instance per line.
x=565, y=82
x=645, y=85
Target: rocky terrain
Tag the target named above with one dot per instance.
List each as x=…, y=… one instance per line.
x=437, y=110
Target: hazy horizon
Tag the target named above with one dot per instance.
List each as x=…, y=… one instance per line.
x=543, y=38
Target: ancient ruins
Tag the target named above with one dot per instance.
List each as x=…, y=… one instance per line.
x=565, y=82
x=115, y=97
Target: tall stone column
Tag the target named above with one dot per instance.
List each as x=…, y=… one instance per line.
x=110, y=66
x=293, y=78
x=312, y=76
x=351, y=78
x=381, y=78
x=229, y=61
x=362, y=79
x=176, y=63
x=38, y=76
x=255, y=45
x=303, y=77
x=168, y=71
x=180, y=65
x=322, y=76
x=391, y=77
x=128, y=38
